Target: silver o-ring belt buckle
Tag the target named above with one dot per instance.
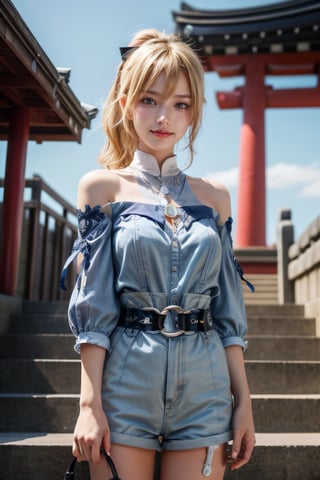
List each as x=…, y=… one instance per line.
x=172, y=309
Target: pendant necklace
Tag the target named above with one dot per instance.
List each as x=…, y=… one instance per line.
x=170, y=210
x=163, y=192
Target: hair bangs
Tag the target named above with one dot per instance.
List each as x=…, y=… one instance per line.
x=162, y=60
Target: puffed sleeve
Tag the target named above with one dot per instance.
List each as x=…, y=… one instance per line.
x=227, y=308
x=93, y=308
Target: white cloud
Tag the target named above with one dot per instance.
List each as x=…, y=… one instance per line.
x=229, y=178
x=280, y=176
x=312, y=190
x=283, y=175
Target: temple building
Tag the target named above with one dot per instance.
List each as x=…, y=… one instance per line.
x=276, y=39
x=36, y=103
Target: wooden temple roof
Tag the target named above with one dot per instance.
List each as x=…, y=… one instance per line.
x=29, y=80
x=290, y=26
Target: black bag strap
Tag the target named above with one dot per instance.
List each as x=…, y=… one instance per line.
x=69, y=475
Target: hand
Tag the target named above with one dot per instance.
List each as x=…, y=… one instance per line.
x=91, y=432
x=243, y=434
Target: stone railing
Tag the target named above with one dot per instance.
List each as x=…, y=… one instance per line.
x=285, y=238
x=299, y=266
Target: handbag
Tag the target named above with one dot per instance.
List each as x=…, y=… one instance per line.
x=69, y=475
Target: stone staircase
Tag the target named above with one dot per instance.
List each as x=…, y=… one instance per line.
x=39, y=386
x=266, y=289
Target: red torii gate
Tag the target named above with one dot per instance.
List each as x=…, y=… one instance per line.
x=274, y=39
x=254, y=97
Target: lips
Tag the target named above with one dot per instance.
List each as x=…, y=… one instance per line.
x=161, y=133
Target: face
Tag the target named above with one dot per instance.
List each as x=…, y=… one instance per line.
x=161, y=121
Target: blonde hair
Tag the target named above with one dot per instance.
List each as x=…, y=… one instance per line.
x=156, y=54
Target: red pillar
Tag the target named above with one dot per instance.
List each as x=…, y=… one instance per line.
x=12, y=215
x=252, y=190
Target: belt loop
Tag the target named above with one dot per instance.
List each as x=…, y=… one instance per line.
x=204, y=320
x=207, y=320
x=181, y=321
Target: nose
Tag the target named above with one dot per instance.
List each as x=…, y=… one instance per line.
x=163, y=117
x=162, y=120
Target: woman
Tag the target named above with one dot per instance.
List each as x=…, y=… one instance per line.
x=158, y=311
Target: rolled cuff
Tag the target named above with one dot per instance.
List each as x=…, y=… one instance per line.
x=94, y=338
x=230, y=341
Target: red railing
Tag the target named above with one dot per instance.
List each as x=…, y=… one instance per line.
x=49, y=230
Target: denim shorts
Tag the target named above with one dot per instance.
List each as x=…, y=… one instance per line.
x=165, y=393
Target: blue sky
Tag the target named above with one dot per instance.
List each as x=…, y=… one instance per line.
x=85, y=36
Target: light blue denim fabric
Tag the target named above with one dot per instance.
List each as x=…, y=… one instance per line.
x=133, y=258
x=159, y=392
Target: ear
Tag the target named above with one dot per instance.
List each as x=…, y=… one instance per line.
x=123, y=102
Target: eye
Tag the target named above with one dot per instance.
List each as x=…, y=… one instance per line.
x=147, y=101
x=182, y=106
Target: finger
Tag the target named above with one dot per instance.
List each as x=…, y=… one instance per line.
x=236, y=447
x=83, y=448
x=86, y=450
x=106, y=443
x=76, y=451
x=243, y=457
x=95, y=452
x=238, y=464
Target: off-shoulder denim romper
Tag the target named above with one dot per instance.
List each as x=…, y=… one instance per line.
x=158, y=392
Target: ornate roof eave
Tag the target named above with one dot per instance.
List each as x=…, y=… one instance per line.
x=244, y=14
x=286, y=26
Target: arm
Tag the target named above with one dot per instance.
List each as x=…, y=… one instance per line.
x=243, y=427
x=94, y=306
x=91, y=322
x=231, y=322
x=92, y=429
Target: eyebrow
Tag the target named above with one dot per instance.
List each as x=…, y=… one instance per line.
x=179, y=95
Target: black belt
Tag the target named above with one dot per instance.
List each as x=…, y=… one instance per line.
x=193, y=320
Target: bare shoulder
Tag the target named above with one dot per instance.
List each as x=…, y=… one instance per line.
x=214, y=194
x=97, y=187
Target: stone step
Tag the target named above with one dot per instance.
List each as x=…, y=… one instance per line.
x=276, y=457
x=284, y=456
x=268, y=325
x=45, y=307
x=258, y=325
x=37, y=346
x=280, y=377
x=261, y=347
x=38, y=412
x=275, y=310
x=286, y=413
x=265, y=298
x=35, y=455
x=266, y=289
x=39, y=376
x=269, y=281
x=57, y=413
x=63, y=376
x=39, y=323
x=272, y=347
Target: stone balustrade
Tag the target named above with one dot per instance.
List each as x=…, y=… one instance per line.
x=299, y=266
